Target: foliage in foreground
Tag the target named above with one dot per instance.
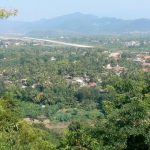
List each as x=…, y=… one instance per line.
x=18, y=135
x=6, y=13
x=126, y=121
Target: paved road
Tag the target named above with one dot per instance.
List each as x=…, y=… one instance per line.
x=60, y=43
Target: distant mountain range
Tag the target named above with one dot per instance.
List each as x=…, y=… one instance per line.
x=76, y=23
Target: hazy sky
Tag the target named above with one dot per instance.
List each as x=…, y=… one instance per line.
x=37, y=9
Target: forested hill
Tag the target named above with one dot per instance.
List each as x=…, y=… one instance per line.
x=77, y=23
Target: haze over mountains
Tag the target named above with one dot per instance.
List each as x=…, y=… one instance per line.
x=76, y=23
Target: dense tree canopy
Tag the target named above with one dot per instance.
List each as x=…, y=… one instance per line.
x=54, y=97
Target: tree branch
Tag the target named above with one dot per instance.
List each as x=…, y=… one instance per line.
x=7, y=13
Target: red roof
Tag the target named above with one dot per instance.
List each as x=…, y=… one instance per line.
x=146, y=57
x=146, y=64
x=146, y=69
